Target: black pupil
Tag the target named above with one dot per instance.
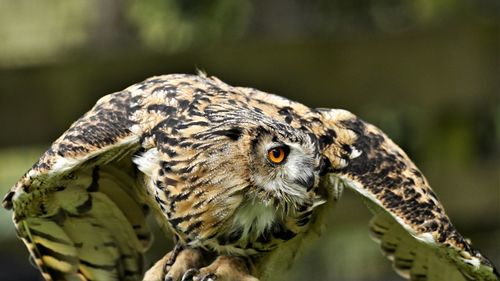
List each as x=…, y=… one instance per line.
x=276, y=153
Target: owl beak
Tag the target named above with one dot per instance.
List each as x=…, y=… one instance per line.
x=324, y=166
x=307, y=182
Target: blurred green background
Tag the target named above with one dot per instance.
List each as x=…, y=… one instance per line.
x=425, y=71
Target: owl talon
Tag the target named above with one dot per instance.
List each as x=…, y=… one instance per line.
x=190, y=274
x=209, y=277
x=174, y=269
x=197, y=275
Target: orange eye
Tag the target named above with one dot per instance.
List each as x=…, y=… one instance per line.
x=277, y=154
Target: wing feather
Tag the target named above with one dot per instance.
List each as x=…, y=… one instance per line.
x=53, y=250
x=79, y=209
x=411, y=258
x=96, y=260
x=81, y=232
x=127, y=196
x=410, y=224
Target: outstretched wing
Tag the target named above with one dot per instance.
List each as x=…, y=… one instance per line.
x=78, y=209
x=410, y=223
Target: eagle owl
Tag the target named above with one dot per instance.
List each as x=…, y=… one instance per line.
x=238, y=177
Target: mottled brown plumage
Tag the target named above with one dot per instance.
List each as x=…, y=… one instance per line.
x=197, y=152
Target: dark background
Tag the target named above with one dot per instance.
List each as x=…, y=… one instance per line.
x=425, y=71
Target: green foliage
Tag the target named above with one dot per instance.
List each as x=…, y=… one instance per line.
x=32, y=31
x=36, y=32
x=171, y=25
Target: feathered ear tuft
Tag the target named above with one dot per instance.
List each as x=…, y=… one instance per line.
x=201, y=72
x=369, y=163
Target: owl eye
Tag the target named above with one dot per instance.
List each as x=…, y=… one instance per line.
x=277, y=154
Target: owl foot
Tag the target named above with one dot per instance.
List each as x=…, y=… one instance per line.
x=157, y=271
x=224, y=268
x=186, y=259
x=172, y=256
x=174, y=264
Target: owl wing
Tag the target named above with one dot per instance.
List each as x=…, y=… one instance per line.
x=410, y=223
x=78, y=209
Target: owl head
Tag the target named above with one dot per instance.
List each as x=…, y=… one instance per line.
x=282, y=163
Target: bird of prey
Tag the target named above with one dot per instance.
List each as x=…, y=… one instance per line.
x=240, y=179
